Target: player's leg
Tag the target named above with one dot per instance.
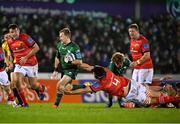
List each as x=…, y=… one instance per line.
x=110, y=100
x=163, y=98
x=145, y=76
x=135, y=75
x=60, y=89
x=19, y=79
x=14, y=89
x=32, y=82
x=10, y=95
x=4, y=82
x=39, y=88
x=148, y=97
x=19, y=75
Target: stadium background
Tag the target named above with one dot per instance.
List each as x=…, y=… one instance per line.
x=100, y=28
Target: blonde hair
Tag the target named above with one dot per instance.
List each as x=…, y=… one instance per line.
x=135, y=26
x=117, y=57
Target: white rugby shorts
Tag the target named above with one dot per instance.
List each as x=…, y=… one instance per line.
x=29, y=71
x=4, y=79
x=137, y=93
x=143, y=75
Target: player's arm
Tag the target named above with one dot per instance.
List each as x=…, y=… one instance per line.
x=145, y=57
x=111, y=66
x=9, y=62
x=35, y=49
x=76, y=57
x=78, y=91
x=86, y=67
x=56, y=66
x=140, y=61
x=127, y=62
x=146, y=53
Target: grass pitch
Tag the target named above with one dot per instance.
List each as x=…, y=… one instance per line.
x=86, y=113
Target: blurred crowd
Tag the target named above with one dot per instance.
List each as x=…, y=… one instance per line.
x=100, y=37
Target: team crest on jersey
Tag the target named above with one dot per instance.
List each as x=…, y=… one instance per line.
x=136, y=46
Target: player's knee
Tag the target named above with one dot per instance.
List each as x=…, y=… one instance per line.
x=68, y=87
x=60, y=88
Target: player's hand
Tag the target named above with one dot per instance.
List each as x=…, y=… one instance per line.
x=129, y=105
x=68, y=92
x=69, y=58
x=54, y=75
x=9, y=67
x=133, y=64
x=23, y=60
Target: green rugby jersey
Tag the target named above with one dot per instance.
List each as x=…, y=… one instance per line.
x=63, y=50
x=119, y=71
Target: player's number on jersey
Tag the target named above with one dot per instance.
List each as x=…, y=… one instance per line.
x=115, y=82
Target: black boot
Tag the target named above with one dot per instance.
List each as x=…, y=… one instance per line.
x=110, y=102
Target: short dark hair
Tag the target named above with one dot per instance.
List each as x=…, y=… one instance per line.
x=99, y=72
x=13, y=26
x=135, y=26
x=66, y=31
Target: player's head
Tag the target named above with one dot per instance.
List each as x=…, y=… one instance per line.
x=133, y=30
x=64, y=34
x=118, y=59
x=14, y=31
x=99, y=72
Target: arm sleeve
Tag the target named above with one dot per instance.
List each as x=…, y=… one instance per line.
x=127, y=62
x=145, y=46
x=96, y=87
x=57, y=54
x=28, y=40
x=111, y=66
x=78, y=54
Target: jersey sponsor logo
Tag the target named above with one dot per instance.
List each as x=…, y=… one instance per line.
x=146, y=46
x=30, y=40
x=78, y=54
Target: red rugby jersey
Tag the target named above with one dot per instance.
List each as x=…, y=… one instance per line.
x=21, y=47
x=137, y=49
x=112, y=84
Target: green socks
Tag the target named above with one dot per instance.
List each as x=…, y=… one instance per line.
x=59, y=95
x=58, y=99
x=77, y=86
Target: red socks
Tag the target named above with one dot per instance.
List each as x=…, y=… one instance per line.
x=22, y=95
x=11, y=97
x=166, y=99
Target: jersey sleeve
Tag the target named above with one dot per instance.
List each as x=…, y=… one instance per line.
x=96, y=87
x=111, y=66
x=77, y=53
x=28, y=40
x=57, y=51
x=145, y=46
x=127, y=62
